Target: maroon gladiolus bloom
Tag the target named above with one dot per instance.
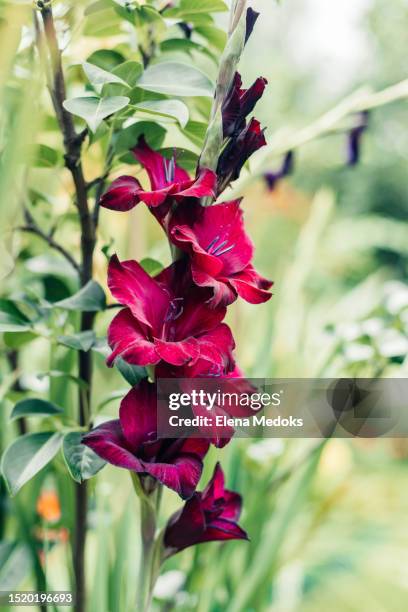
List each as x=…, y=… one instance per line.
x=207, y=516
x=166, y=179
x=220, y=251
x=238, y=150
x=240, y=103
x=159, y=323
x=131, y=442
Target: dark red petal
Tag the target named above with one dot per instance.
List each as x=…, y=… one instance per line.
x=204, y=185
x=107, y=442
x=215, y=487
x=251, y=286
x=133, y=287
x=186, y=526
x=127, y=339
x=221, y=529
x=233, y=505
x=181, y=474
x=177, y=353
x=197, y=316
x=137, y=414
x=155, y=165
x=251, y=96
x=156, y=198
x=122, y=195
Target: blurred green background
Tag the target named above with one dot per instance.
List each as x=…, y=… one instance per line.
x=327, y=522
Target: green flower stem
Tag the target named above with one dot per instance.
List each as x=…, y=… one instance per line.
x=151, y=550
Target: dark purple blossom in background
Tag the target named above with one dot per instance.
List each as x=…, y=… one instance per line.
x=272, y=178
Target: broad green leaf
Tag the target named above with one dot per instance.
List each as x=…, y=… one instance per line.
x=90, y=298
x=98, y=77
x=15, y=564
x=81, y=461
x=11, y=319
x=129, y=71
x=151, y=266
x=214, y=35
x=108, y=59
x=177, y=79
x=26, y=456
x=82, y=341
x=95, y=110
x=166, y=108
x=131, y=373
x=16, y=340
x=34, y=407
x=195, y=131
x=192, y=7
x=127, y=138
x=99, y=5
x=184, y=45
x=102, y=20
x=46, y=157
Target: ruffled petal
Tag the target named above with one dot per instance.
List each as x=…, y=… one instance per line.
x=133, y=287
x=204, y=185
x=108, y=442
x=137, y=414
x=177, y=353
x=127, y=339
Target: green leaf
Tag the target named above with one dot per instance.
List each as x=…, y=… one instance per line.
x=195, y=131
x=16, y=340
x=95, y=110
x=151, y=266
x=11, y=319
x=82, y=462
x=26, y=456
x=192, y=7
x=98, y=77
x=177, y=79
x=131, y=373
x=166, y=108
x=15, y=564
x=108, y=59
x=34, y=407
x=90, y=298
x=128, y=137
x=214, y=35
x=82, y=341
x=129, y=71
x=45, y=157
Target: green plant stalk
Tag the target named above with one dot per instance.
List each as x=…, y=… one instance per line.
x=51, y=56
x=151, y=551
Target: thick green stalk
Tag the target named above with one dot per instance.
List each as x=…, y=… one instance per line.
x=151, y=551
